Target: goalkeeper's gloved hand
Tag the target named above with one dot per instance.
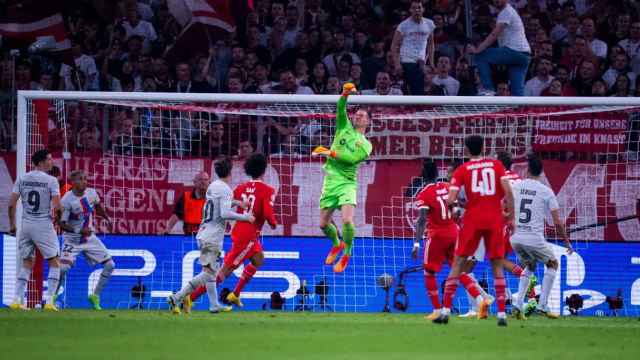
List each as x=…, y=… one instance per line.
x=348, y=88
x=323, y=151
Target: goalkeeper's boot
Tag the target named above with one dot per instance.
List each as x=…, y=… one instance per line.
x=173, y=305
x=18, y=306
x=442, y=319
x=50, y=307
x=95, y=301
x=341, y=265
x=518, y=314
x=234, y=299
x=547, y=313
x=433, y=315
x=483, y=308
x=187, y=304
x=333, y=253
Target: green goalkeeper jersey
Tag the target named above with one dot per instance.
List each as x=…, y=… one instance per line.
x=351, y=148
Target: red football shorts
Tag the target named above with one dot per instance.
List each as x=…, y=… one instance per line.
x=439, y=247
x=473, y=232
x=507, y=241
x=241, y=251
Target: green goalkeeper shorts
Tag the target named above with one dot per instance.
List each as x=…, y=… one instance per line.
x=334, y=197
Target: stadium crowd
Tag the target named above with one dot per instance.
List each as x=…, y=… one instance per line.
x=578, y=48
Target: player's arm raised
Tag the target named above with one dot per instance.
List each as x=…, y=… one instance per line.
x=421, y=223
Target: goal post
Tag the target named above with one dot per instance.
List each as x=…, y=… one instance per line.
x=156, y=142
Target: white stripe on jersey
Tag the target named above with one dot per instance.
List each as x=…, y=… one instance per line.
x=36, y=189
x=533, y=201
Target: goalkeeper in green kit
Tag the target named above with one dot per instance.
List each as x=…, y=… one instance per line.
x=349, y=148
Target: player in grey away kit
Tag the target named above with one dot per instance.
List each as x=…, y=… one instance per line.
x=217, y=210
x=533, y=201
x=78, y=207
x=40, y=194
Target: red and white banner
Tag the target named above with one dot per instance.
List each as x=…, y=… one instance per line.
x=24, y=28
x=583, y=132
x=140, y=193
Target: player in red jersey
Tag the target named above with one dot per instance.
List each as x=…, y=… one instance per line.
x=442, y=235
x=513, y=177
x=244, y=235
x=485, y=187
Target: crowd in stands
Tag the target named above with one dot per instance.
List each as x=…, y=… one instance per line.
x=578, y=48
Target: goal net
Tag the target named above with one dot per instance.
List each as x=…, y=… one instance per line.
x=142, y=151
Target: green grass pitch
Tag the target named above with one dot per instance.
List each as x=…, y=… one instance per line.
x=80, y=334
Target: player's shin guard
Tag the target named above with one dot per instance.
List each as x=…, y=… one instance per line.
x=501, y=298
x=247, y=274
x=21, y=283
x=450, y=287
x=331, y=232
x=348, y=233
x=547, y=284
x=105, y=275
x=431, y=284
x=53, y=279
x=523, y=285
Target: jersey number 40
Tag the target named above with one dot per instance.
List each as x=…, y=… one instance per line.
x=483, y=181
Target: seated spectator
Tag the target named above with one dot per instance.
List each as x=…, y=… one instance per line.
x=541, y=81
x=45, y=82
x=622, y=87
x=161, y=75
x=288, y=85
x=218, y=142
x=134, y=25
x=301, y=71
x=302, y=49
x=599, y=88
x=292, y=29
x=89, y=143
x=383, y=86
x=563, y=75
x=620, y=66
x=288, y=146
x=554, y=89
x=254, y=44
x=443, y=78
x=577, y=54
x=276, y=37
x=259, y=80
x=588, y=30
x=344, y=69
x=430, y=88
x=90, y=124
x=134, y=48
x=360, y=42
x=355, y=75
x=332, y=60
x=318, y=79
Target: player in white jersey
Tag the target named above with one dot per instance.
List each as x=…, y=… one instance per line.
x=78, y=208
x=217, y=210
x=533, y=200
x=40, y=194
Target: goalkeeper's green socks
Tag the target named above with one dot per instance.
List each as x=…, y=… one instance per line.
x=332, y=233
x=348, y=232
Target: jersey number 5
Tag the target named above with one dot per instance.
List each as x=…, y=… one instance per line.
x=483, y=181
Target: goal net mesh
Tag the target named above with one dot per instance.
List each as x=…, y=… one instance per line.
x=141, y=155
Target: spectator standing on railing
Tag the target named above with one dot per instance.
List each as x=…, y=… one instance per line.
x=413, y=47
x=513, y=50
